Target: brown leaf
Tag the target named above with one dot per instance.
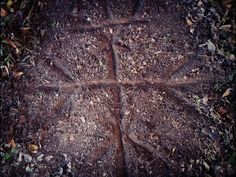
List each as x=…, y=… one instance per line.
x=222, y=111
x=11, y=43
x=4, y=12
x=12, y=143
x=17, y=74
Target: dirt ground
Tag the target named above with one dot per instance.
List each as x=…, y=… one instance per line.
x=114, y=93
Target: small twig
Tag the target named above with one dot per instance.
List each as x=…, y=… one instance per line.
x=30, y=12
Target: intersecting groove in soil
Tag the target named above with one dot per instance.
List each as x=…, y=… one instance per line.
x=119, y=117
x=112, y=69
x=110, y=23
x=138, y=7
x=170, y=92
x=108, y=10
x=70, y=87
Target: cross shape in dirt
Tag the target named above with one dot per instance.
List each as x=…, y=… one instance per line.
x=111, y=40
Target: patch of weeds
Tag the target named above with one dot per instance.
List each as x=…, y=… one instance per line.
x=15, y=32
x=212, y=23
x=8, y=156
x=213, y=26
x=219, y=108
x=14, y=24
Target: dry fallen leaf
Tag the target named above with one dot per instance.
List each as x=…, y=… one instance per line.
x=205, y=100
x=189, y=22
x=12, y=143
x=227, y=92
x=225, y=27
x=4, y=12
x=222, y=111
x=42, y=32
x=206, y=165
x=9, y=3
x=33, y=148
x=11, y=43
x=17, y=74
x=5, y=69
x=25, y=28
x=231, y=57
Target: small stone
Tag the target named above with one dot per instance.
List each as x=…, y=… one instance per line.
x=72, y=138
x=180, y=57
x=40, y=158
x=60, y=171
x=88, y=19
x=211, y=46
x=127, y=113
x=83, y=119
x=48, y=158
x=111, y=30
x=27, y=158
x=232, y=57
x=192, y=30
x=75, y=10
x=20, y=157
x=200, y=3
x=206, y=165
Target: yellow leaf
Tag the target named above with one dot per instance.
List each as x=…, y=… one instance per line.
x=9, y=3
x=33, y=148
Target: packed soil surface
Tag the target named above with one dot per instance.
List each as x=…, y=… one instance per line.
x=113, y=90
